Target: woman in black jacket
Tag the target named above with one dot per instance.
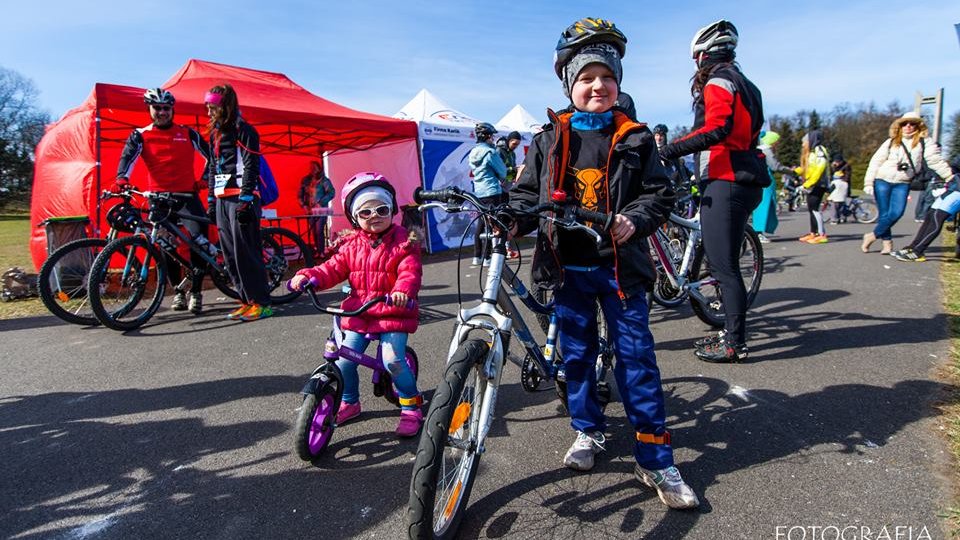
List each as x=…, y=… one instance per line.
x=234, y=201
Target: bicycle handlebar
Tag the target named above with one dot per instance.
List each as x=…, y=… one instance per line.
x=569, y=212
x=312, y=291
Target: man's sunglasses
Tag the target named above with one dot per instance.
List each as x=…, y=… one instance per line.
x=367, y=213
x=162, y=107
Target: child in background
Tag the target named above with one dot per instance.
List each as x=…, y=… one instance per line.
x=379, y=258
x=840, y=190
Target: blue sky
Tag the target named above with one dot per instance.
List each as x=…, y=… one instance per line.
x=483, y=58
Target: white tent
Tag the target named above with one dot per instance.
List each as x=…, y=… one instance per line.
x=521, y=121
x=446, y=138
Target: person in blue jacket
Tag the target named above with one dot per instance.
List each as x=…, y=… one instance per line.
x=489, y=172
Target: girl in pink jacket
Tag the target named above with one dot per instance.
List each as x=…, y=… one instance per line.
x=379, y=258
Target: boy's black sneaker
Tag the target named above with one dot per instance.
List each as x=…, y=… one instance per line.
x=722, y=352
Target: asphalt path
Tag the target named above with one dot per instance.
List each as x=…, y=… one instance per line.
x=182, y=429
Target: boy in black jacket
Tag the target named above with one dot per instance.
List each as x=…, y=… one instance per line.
x=610, y=165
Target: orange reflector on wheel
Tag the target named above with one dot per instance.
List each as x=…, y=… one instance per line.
x=62, y=296
x=452, y=501
x=460, y=415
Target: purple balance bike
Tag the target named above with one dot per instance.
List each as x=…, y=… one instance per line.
x=322, y=393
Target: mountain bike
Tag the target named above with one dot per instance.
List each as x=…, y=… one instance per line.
x=463, y=408
x=128, y=278
x=63, y=277
x=316, y=420
x=685, y=273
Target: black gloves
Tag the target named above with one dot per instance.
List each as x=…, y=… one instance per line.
x=246, y=213
x=212, y=210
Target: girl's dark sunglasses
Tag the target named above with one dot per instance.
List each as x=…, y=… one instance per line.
x=367, y=213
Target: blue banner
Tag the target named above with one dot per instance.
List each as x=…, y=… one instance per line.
x=445, y=165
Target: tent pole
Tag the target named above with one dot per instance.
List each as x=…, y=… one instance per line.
x=96, y=225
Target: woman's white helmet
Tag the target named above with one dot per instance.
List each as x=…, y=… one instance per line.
x=719, y=36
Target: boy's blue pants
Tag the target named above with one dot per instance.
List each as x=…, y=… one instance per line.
x=636, y=372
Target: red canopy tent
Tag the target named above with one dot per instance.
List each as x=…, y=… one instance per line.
x=78, y=155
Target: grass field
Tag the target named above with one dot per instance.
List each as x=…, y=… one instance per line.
x=14, y=237
x=950, y=405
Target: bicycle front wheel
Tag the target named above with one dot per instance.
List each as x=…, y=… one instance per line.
x=447, y=456
x=284, y=253
x=126, y=283
x=710, y=310
x=63, y=278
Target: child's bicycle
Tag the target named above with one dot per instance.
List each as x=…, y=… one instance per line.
x=317, y=418
x=462, y=409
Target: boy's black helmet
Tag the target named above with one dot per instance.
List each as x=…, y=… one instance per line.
x=660, y=128
x=584, y=32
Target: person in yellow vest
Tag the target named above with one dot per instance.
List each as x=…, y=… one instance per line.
x=814, y=170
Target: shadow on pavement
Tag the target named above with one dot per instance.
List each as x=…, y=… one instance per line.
x=728, y=429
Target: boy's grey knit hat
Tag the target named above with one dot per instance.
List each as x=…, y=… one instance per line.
x=595, y=53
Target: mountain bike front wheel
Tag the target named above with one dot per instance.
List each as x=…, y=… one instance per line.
x=126, y=283
x=448, y=455
x=710, y=310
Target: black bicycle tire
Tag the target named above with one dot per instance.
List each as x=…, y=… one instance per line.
x=303, y=257
x=433, y=438
x=44, y=281
x=704, y=313
x=301, y=426
x=100, y=266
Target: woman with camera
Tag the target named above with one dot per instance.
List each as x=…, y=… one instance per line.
x=895, y=163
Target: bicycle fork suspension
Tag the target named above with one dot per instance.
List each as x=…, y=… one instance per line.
x=492, y=371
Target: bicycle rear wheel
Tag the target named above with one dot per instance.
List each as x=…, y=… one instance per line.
x=710, y=310
x=284, y=254
x=63, y=278
x=866, y=212
x=665, y=294
x=447, y=456
x=126, y=283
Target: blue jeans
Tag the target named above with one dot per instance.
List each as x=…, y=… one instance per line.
x=394, y=347
x=891, y=202
x=636, y=372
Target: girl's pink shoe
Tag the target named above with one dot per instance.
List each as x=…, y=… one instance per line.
x=348, y=411
x=410, y=422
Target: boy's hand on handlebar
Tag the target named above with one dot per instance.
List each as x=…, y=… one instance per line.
x=622, y=228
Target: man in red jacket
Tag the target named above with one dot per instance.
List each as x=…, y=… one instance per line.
x=168, y=151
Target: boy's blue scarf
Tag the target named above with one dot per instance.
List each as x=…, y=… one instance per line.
x=586, y=121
